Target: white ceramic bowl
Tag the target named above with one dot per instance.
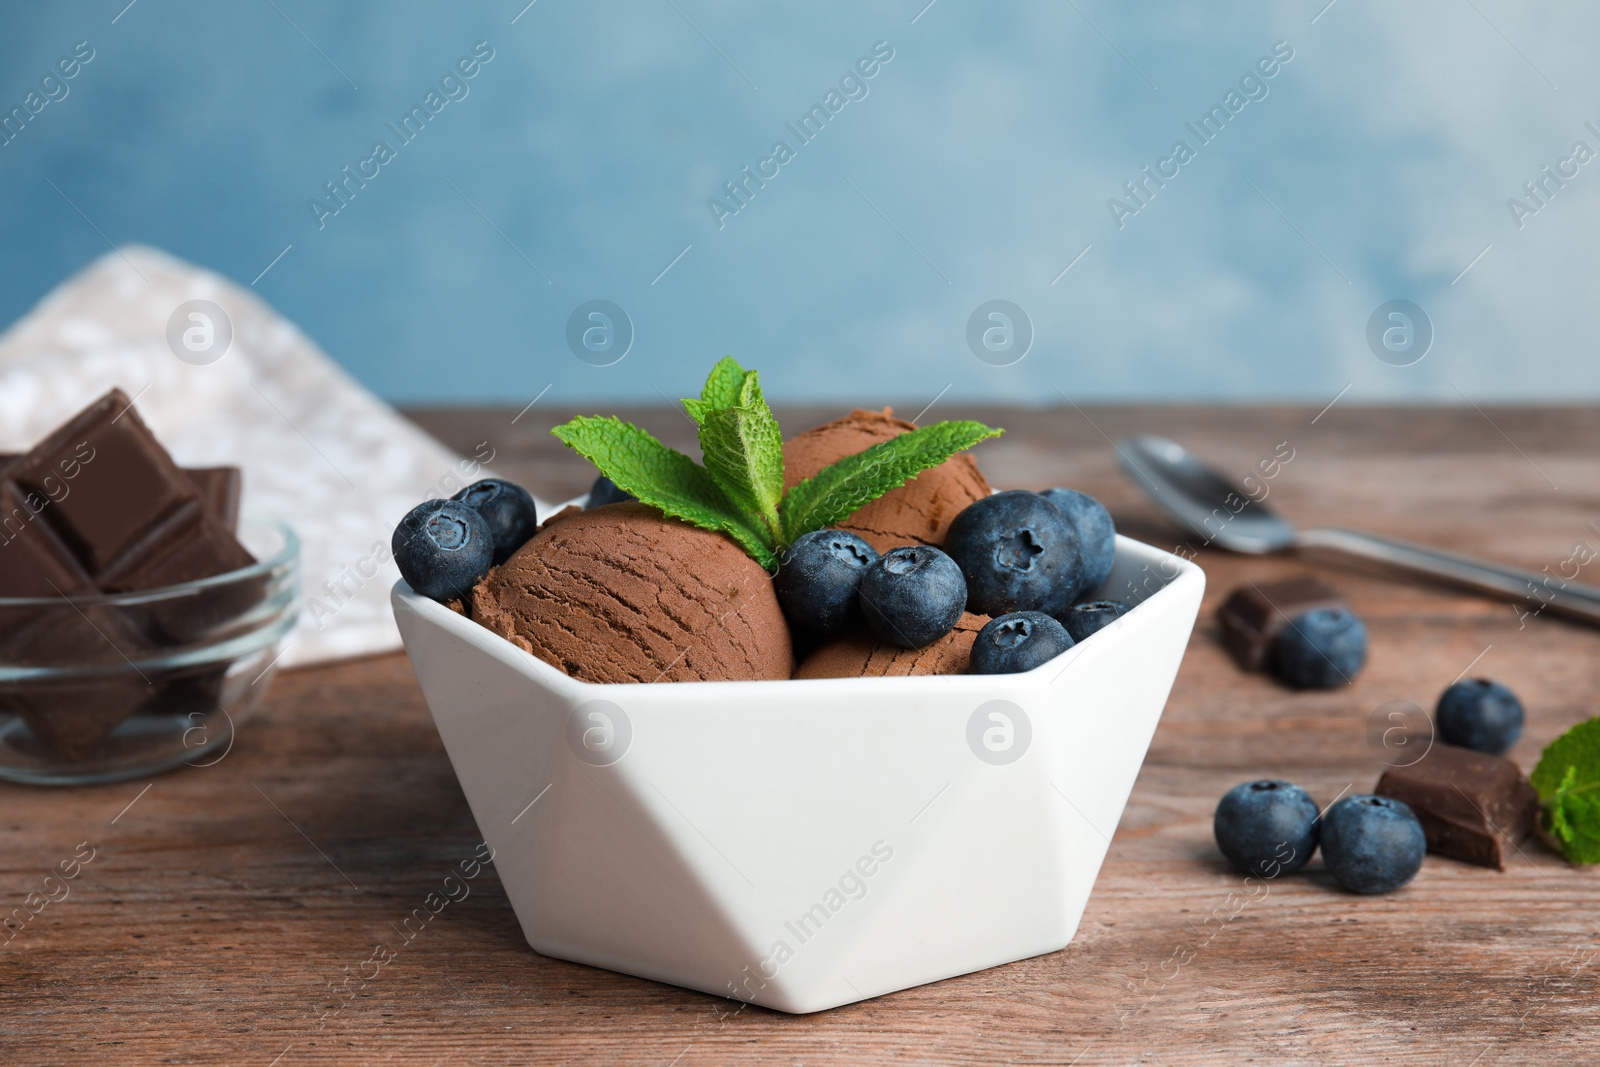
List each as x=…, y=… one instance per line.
x=805, y=844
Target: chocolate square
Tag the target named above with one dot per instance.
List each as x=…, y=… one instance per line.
x=71, y=718
x=1254, y=616
x=220, y=488
x=187, y=545
x=1472, y=806
x=107, y=478
x=33, y=560
x=100, y=507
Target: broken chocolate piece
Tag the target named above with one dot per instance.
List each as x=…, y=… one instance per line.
x=106, y=477
x=1255, y=614
x=1472, y=806
x=99, y=507
x=33, y=561
x=218, y=486
x=109, y=491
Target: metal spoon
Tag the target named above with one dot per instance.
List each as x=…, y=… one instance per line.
x=1223, y=514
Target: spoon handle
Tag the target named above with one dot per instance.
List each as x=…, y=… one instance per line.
x=1541, y=591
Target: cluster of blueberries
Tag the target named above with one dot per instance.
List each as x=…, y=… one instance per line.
x=443, y=547
x=1025, y=559
x=1370, y=844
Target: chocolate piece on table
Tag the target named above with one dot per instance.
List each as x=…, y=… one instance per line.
x=1254, y=615
x=1472, y=806
x=131, y=516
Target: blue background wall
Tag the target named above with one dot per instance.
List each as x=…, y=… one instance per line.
x=978, y=166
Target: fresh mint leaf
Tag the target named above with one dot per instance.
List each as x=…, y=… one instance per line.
x=743, y=450
x=1567, y=780
x=721, y=390
x=836, y=491
x=664, y=478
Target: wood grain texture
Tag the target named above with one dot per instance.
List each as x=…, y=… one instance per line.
x=224, y=909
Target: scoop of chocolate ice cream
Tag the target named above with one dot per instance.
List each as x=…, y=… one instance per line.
x=864, y=656
x=622, y=594
x=918, y=512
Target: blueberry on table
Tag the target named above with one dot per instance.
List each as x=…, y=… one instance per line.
x=912, y=596
x=507, y=508
x=1097, y=534
x=1267, y=827
x=1372, y=844
x=1018, y=642
x=1018, y=552
x=818, y=579
x=605, y=491
x=1087, y=617
x=1322, y=649
x=1479, y=714
x=442, y=548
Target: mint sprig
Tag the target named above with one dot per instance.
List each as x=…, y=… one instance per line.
x=835, y=492
x=739, y=490
x=663, y=478
x=743, y=448
x=1567, y=780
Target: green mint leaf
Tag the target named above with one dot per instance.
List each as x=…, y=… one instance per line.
x=1567, y=780
x=836, y=491
x=664, y=478
x=721, y=390
x=743, y=450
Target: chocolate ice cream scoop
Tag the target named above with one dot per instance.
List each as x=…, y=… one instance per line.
x=918, y=512
x=864, y=656
x=622, y=594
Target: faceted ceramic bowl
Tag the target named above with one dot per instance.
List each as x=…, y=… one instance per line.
x=805, y=844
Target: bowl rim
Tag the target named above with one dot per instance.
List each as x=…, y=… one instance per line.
x=491, y=643
x=288, y=554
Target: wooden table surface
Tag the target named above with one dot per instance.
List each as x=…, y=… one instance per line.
x=223, y=914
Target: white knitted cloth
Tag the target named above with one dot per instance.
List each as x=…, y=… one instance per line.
x=317, y=450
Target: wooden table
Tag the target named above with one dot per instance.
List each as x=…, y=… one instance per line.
x=224, y=912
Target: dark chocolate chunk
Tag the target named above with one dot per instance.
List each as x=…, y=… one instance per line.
x=99, y=506
x=186, y=545
x=1472, y=806
x=1254, y=615
x=33, y=561
x=71, y=718
x=132, y=517
x=219, y=487
x=107, y=479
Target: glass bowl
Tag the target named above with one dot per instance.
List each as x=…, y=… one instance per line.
x=103, y=688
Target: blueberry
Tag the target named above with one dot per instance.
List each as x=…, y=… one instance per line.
x=1266, y=828
x=818, y=579
x=1321, y=649
x=1018, y=642
x=1097, y=534
x=1479, y=714
x=605, y=491
x=1018, y=552
x=1372, y=844
x=507, y=508
x=1085, y=618
x=442, y=548
x=913, y=596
